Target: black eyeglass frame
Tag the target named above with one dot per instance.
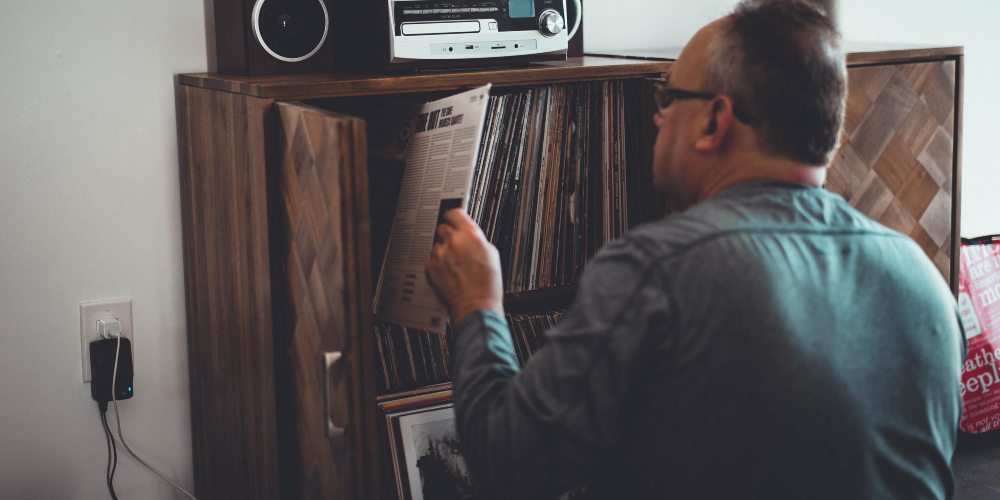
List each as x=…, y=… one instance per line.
x=665, y=95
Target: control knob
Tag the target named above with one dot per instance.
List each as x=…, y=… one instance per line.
x=550, y=23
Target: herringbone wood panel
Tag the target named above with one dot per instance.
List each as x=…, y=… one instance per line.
x=324, y=255
x=896, y=161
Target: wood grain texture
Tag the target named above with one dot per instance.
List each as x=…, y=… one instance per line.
x=227, y=283
x=327, y=292
x=897, y=163
x=857, y=54
x=297, y=87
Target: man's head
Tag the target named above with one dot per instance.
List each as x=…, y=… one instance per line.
x=781, y=60
x=774, y=84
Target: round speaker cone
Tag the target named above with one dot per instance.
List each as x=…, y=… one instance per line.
x=290, y=30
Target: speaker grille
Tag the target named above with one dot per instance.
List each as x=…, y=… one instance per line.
x=290, y=30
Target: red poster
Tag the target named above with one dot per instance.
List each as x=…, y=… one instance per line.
x=979, y=305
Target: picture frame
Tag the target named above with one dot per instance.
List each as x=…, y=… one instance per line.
x=423, y=448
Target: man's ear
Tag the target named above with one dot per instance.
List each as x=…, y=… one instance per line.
x=715, y=124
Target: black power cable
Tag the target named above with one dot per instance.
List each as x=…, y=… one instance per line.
x=100, y=356
x=109, y=474
x=107, y=470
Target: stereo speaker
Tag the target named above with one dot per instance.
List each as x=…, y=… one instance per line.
x=574, y=19
x=266, y=37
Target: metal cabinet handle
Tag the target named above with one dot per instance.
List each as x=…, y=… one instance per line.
x=329, y=360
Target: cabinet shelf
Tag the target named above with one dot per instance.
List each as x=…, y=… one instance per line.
x=544, y=298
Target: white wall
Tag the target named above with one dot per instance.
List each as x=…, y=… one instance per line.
x=971, y=23
x=90, y=209
x=631, y=24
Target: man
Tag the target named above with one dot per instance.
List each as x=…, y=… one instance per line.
x=769, y=341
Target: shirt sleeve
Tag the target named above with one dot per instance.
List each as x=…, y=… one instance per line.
x=539, y=431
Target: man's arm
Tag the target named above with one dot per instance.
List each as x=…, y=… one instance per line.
x=540, y=431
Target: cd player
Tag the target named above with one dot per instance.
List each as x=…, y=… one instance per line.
x=430, y=34
x=427, y=30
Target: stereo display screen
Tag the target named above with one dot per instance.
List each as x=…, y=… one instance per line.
x=521, y=8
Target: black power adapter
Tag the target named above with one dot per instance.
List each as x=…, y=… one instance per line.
x=102, y=369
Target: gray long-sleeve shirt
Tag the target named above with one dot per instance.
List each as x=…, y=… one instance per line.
x=770, y=342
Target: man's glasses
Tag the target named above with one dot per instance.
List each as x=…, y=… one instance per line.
x=665, y=95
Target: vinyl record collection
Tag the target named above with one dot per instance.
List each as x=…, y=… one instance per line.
x=413, y=358
x=409, y=358
x=528, y=331
x=556, y=178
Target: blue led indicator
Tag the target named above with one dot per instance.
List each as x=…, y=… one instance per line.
x=130, y=388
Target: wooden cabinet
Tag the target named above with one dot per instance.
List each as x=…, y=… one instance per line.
x=899, y=158
x=278, y=273
x=277, y=235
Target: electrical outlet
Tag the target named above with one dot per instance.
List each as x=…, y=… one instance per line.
x=103, y=319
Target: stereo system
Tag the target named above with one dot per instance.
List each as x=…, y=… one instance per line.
x=259, y=37
x=429, y=30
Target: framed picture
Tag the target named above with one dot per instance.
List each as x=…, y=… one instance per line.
x=423, y=445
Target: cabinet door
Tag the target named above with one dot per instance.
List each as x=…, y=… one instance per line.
x=323, y=320
x=897, y=161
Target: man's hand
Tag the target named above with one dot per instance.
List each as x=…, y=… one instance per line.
x=464, y=268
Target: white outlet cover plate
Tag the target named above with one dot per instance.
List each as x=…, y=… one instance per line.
x=90, y=313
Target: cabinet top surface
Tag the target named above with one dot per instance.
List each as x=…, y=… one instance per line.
x=857, y=53
x=612, y=64
x=321, y=85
